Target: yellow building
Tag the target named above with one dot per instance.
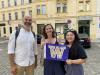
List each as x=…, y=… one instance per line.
x=11, y=14
x=83, y=15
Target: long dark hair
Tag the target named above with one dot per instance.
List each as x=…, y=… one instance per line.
x=76, y=40
x=45, y=34
x=75, y=45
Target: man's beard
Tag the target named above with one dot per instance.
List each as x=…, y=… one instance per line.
x=28, y=27
x=28, y=24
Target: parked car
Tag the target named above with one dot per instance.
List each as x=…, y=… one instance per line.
x=38, y=38
x=85, y=40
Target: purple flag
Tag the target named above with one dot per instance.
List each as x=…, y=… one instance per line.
x=57, y=52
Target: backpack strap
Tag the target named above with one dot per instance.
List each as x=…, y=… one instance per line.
x=16, y=35
x=33, y=33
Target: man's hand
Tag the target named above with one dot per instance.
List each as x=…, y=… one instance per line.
x=14, y=69
x=42, y=62
x=12, y=63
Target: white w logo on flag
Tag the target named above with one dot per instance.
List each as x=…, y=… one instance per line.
x=56, y=51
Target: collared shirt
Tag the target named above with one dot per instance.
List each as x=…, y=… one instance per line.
x=26, y=47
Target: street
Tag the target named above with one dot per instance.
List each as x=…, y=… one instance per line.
x=91, y=67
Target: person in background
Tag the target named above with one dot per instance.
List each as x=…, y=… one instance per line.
x=77, y=55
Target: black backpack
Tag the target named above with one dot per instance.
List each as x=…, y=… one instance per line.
x=17, y=33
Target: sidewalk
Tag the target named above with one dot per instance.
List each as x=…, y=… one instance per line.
x=96, y=41
x=3, y=38
x=4, y=63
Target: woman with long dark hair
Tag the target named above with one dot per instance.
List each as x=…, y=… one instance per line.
x=77, y=55
x=51, y=67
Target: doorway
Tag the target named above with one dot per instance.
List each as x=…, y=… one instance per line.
x=84, y=26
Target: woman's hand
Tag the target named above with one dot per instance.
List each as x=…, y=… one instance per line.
x=43, y=42
x=69, y=61
x=77, y=61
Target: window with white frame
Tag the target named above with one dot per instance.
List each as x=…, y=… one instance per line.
x=38, y=10
x=65, y=0
x=64, y=7
x=23, y=14
x=2, y=4
x=15, y=2
x=16, y=15
x=30, y=12
x=10, y=28
x=9, y=16
x=30, y=1
x=43, y=0
x=59, y=7
x=4, y=30
x=9, y=3
x=3, y=17
x=22, y=2
x=81, y=6
x=43, y=9
x=87, y=5
x=58, y=0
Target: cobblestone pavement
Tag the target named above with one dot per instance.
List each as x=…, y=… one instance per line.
x=4, y=63
x=92, y=67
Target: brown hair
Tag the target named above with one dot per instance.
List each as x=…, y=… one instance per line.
x=45, y=34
